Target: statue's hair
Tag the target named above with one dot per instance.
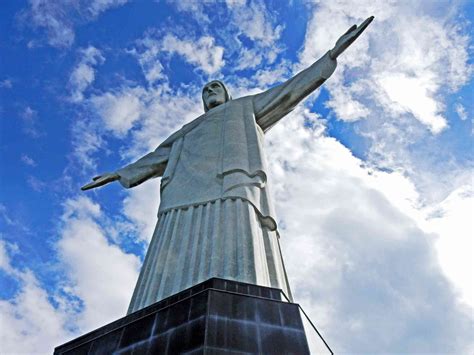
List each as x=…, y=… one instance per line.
x=228, y=97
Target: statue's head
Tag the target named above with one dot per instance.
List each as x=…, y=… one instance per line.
x=214, y=94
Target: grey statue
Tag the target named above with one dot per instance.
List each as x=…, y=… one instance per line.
x=216, y=218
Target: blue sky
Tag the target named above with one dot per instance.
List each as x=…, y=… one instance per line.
x=372, y=175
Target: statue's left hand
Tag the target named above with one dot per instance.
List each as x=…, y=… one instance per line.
x=348, y=38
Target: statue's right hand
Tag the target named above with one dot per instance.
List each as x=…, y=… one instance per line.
x=101, y=180
x=349, y=37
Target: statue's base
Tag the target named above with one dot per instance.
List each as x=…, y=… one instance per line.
x=215, y=317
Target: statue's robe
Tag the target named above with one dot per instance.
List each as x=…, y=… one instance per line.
x=216, y=218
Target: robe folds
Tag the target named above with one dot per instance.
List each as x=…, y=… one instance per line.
x=215, y=217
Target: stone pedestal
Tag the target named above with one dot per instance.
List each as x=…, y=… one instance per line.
x=214, y=317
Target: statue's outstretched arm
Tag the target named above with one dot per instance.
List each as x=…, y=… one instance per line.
x=151, y=165
x=272, y=105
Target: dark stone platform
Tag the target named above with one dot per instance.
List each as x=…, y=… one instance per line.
x=215, y=317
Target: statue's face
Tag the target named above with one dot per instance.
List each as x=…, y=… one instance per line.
x=213, y=94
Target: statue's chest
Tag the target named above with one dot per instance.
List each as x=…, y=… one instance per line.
x=221, y=137
x=204, y=141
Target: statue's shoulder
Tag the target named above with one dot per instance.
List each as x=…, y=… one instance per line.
x=244, y=105
x=243, y=100
x=183, y=130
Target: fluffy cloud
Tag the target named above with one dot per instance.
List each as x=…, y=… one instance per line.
x=58, y=19
x=165, y=112
x=99, y=280
x=414, y=95
x=119, y=111
x=149, y=115
x=96, y=7
x=451, y=220
x=145, y=115
x=426, y=57
x=84, y=73
x=100, y=273
x=359, y=263
x=5, y=250
x=9, y=219
x=30, y=324
x=398, y=89
x=27, y=160
x=461, y=111
x=251, y=20
x=194, y=8
x=29, y=119
x=254, y=21
x=6, y=83
x=141, y=207
x=202, y=53
x=49, y=16
x=86, y=141
x=35, y=183
x=395, y=91
x=148, y=58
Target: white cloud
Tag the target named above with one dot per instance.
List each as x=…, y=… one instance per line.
x=203, y=52
x=120, y=110
x=344, y=104
x=97, y=287
x=249, y=58
x=11, y=220
x=6, y=83
x=357, y=258
x=29, y=117
x=101, y=274
x=194, y=8
x=377, y=221
x=255, y=21
x=149, y=59
x=252, y=20
x=452, y=221
x=49, y=16
x=35, y=183
x=146, y=115
x=86, y=141
x=29, y=324
x=394, y=83
x=144, y=218
x=166, y=111
x=5, y=263
x=5, y=216
x=264, y=78
x=425, y=57
x=83, y=74
x=414, y=95
x=461, y=111
x=149, y=115
x=27, y=160
x=96, y=7
x=58, y=19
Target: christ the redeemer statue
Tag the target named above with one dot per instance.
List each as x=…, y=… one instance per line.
x=216, y=218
